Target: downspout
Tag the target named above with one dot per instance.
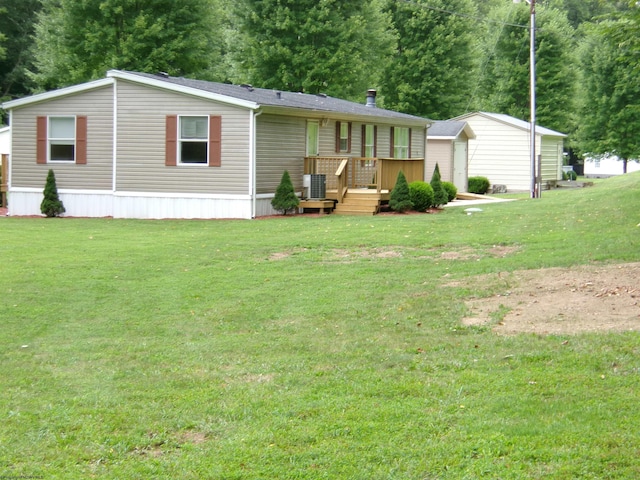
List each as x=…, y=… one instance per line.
x=114, y=147
x=10, y=165
x=253, y=162
x=424, y=166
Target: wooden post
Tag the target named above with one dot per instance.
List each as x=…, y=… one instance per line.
x=4, y=181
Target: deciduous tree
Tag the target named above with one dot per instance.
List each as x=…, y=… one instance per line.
x=430, y=72
x=610, y=114
x=79, y=40
x=338, y=47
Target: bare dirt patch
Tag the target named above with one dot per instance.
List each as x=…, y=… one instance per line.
x=561, y=300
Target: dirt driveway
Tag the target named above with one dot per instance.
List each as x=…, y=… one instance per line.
x=561, y=300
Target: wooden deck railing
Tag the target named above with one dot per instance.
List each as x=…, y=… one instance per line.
x=359, y=172
x=342, y=178
x=4, y=180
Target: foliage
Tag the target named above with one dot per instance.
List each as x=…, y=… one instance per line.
x=440, y=196
x=451, y=190
x=339, y=48
x=570, y=175
x=17, y=19
x=285, y=198
x=421, y=195
x=190, y=349
x=610, y=94
x=78, y=41
x=400, y=200
x=504, y=82
x=51, y=204
x=479, y=185
x=434, y=54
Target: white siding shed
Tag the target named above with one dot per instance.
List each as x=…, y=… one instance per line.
x=501, y=150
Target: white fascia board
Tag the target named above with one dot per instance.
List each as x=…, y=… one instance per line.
x=61, y=92
x=131, y=77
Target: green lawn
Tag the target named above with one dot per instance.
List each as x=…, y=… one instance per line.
x=310, y=348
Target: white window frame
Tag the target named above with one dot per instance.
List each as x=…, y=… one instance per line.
x=61, y=140
x=181, y=140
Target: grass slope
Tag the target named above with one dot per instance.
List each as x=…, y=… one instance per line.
x=310, y=347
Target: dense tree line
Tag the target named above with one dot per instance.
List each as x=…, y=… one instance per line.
x=434, y=58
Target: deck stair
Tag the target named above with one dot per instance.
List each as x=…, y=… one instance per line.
x=359, y=202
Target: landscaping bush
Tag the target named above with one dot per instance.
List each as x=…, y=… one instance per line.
x=440, y=196
x=479, y=185
x=51, y=204
x=451, y=190
x=285, y=198
x=570, y=175
x=400, y=200
x=421, y=194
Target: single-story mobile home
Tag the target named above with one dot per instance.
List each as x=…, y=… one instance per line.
x=138, y=145
x=501, y=150
x=608, y=166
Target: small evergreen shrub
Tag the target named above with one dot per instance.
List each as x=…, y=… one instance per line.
x=451, y=190
x=285, y=198
x=421, y=195
x=400, y=200
x=570, y=175
x=51, y=204
x=440, y=196
x=479, y=185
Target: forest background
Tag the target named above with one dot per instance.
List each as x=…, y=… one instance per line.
x=432, y=58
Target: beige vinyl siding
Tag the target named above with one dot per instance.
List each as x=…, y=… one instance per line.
x=440, y=152
x=551, y=153
x=280, y=146
x=141, y=144
x=97, y=173
x=500, y=153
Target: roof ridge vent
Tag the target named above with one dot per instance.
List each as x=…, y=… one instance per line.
x=163, y=74
x=321, y=95
x=247, y=86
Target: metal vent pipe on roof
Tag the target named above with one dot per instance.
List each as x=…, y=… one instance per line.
x=371, y=97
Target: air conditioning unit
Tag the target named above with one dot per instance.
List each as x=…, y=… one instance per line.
x=318, y=187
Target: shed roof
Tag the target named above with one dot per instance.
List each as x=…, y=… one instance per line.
x=513, y=122
x=449, y=130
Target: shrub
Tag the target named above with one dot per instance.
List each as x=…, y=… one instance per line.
x=51, y=204
x=400, y=200
x=439, y=194
x=421, y=194
x=478, y=185
x=285, y=198
x=570, y=175
x=451, y=190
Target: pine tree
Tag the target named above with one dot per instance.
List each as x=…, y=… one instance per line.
x=51, y=205
x=400, y=200
x=440, y=195
x=285, y=198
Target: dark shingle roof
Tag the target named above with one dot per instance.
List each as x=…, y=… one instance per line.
x=446, y=128
x=274, y=98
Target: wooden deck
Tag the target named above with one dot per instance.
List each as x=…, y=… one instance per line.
x=360, y=185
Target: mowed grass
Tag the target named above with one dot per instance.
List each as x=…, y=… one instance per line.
x=310, y=348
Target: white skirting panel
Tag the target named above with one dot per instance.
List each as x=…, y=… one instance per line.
x=76, y=204
x=122, y=205
x=264, y=208
x=180, y=207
